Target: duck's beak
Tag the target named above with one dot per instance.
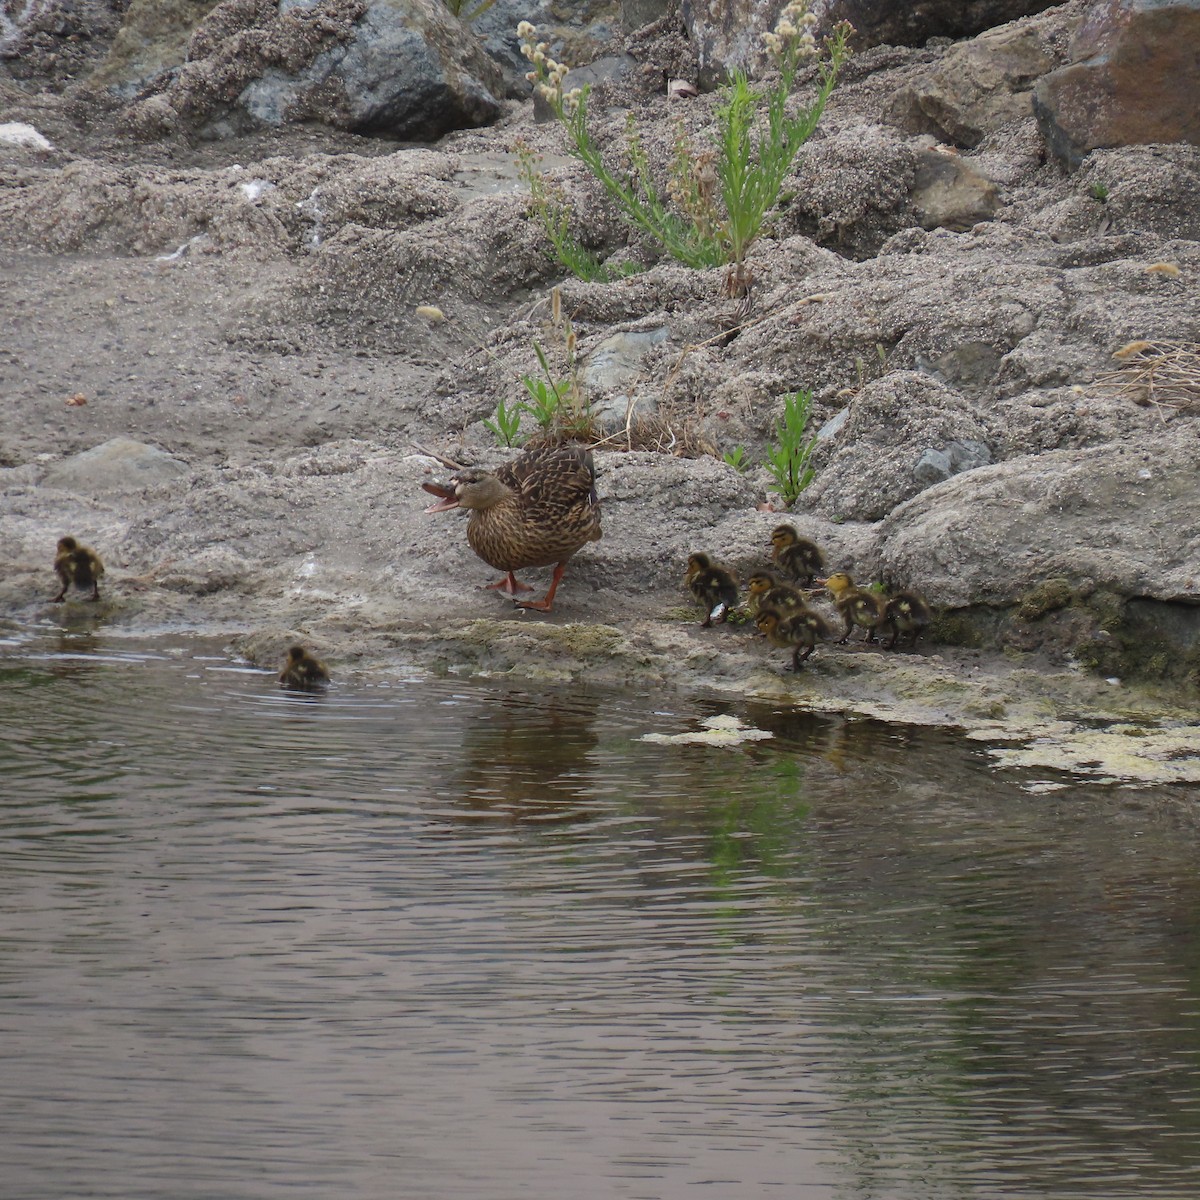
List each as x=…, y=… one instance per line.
x=448, y=498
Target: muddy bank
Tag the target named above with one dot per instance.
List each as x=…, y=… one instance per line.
x=222, y=356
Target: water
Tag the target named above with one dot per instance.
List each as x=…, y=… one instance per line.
x=446, y=939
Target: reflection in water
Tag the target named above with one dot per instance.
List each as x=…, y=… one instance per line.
x=453, y=940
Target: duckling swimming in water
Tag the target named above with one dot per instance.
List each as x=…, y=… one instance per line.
x=714, y=585
x=768, y=592
x=857, y=607
x=798, y=631
x=302, y=672
x=797, y=557
x=906, y=612
x=78, y=565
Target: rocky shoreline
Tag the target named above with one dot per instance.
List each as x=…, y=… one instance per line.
x=225, y=351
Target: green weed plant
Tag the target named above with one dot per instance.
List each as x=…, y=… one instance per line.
x=467, y=12
x=788, y=458
x=718, y=198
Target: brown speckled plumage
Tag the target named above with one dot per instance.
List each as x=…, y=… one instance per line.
x=551, y=512
x=798, y=630
x=535, y=511
x=796, y=556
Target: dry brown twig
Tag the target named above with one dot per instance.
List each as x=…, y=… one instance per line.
x=1159, y=373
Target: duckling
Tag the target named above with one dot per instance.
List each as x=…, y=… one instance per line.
x=907, y=612
x=302, y=672
x=798, y=557
x=535, y=511
x=768, y=592
x=857, y=607
x=78, y=565
x=714, y=585
x=799, y=630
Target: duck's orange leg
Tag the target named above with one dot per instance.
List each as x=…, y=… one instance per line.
x=510, y=585
x=543, y=605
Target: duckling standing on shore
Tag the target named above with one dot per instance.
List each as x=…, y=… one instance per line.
x=78, y=565
x=768, y=592
x=302, y=672
x=907, y=612
x=857, y=607
x=796, y=556
x=714, y=585
x=798, y=631
x=535, y=511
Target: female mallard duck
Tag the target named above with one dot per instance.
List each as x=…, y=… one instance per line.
x=302, y=672
x=795, y=555
x=907, y=612
x=532, y=512
x=78, y=565
x=714, y=585
x=858, y=607
x=799, y=630
x=768, y=592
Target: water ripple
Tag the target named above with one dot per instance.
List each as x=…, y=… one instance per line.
x=478, y=942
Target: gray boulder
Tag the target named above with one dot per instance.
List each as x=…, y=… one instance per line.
x=904, y=432
x=913, y=22
x=1119, y=517
x=402, y=68
x=118, y=465
x=727, y=34
x=1092, y=552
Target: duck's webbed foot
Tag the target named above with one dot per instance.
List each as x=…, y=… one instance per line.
x=510, y=585
x=800, y=656
x=544, y=604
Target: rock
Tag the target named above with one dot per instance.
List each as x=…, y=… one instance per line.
x=1090, y=554
x=914, y=22
x=578, y=31
x=727, y=34
x=404, y=68
x=881, y=456
x=978, y=86
x=851, y=188
x=950, y=193
x=1122, y=518
x=936, y=465
x=1132, y=80
x=612, y=369
x=152, y=39
x=611, y=68
x=118, y=465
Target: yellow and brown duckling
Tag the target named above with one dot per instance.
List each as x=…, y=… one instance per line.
x=906, y=613
x=798, y=630
x=796, y=556
x=535, y=511
x=768, y=592
x=302, y=672
x=714, y=585
x=78, y=565
x=856, y=606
